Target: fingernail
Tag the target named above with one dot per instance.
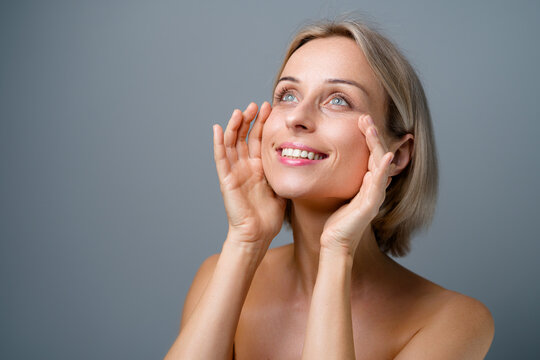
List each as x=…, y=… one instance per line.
x=369, y=120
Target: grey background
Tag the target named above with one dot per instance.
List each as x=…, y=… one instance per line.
x=109, y=200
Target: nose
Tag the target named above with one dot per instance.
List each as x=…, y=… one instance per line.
x=301, y=118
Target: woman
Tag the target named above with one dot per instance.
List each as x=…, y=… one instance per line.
x=346, y=155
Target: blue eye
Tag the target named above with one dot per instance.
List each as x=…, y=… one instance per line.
x=288, y=97
x=338, y=101
x=285, y=95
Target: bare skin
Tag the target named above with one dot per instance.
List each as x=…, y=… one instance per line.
x=386, y=314
x=332, y=294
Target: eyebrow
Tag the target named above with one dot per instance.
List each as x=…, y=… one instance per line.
x=329, y=81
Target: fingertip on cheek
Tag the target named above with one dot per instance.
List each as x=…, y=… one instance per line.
x=362, y=121
x=369, y=120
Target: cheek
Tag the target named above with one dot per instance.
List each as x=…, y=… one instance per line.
x=354, y=156
x=268, y=128
x=360, y=153
x=350, y=143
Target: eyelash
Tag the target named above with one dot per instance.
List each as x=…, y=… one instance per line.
x=279, y=96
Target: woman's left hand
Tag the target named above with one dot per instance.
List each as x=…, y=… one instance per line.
x=344, y=228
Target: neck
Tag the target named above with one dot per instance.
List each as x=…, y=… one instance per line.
x=307, y=222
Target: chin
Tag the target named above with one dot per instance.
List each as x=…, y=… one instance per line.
x=289, y=189
x=296, y=184
x=315, y=191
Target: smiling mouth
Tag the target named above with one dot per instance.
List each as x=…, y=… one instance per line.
x=293, y=153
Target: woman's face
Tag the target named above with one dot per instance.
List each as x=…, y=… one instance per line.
x=323, y=89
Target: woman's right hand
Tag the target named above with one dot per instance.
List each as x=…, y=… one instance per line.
x=254, y=211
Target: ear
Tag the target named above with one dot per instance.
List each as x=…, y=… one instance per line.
x=402, y=149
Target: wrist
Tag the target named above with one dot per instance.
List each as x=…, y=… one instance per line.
x=336, y=253
x=254, y=250
x=337, y=248
x=241, y=255
x=240, y=234
x=335, y=267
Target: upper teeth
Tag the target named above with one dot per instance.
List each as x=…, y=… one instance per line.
x=297, y=153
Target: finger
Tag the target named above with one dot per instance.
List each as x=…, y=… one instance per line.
x=255, y=135
x=373, y=189
x=363, y=124
x=231, y=134
x=381, y=174
x=359, y=198
x=374, y=141
x=248, y=115
x=220, y=156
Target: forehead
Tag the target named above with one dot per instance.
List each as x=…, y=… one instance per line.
x=335, y=57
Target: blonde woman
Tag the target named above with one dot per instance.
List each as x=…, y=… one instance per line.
x=345, y=155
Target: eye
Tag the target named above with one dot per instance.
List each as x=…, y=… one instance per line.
x=285, y=95
x=288, y=97
x=339, y=101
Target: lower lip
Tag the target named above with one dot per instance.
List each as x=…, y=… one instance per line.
x=296, y=162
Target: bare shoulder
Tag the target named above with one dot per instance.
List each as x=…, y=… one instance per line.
x=459, y=327
x=469, y=316
x=274, y=259
x=272, y=279
x=468, y=325
x=201, y=279
x=465, y=308
x=262, y=283
x=280, y=249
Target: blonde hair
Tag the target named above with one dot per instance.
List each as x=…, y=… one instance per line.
x=411, y=197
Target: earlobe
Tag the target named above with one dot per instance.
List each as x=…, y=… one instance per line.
x=402, y=154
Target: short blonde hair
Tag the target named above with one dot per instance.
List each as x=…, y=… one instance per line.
x=411, y=197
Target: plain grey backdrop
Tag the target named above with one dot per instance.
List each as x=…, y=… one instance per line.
x=109, y=200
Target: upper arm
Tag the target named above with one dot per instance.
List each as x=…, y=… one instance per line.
x=200, y=281
x=462, y=329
